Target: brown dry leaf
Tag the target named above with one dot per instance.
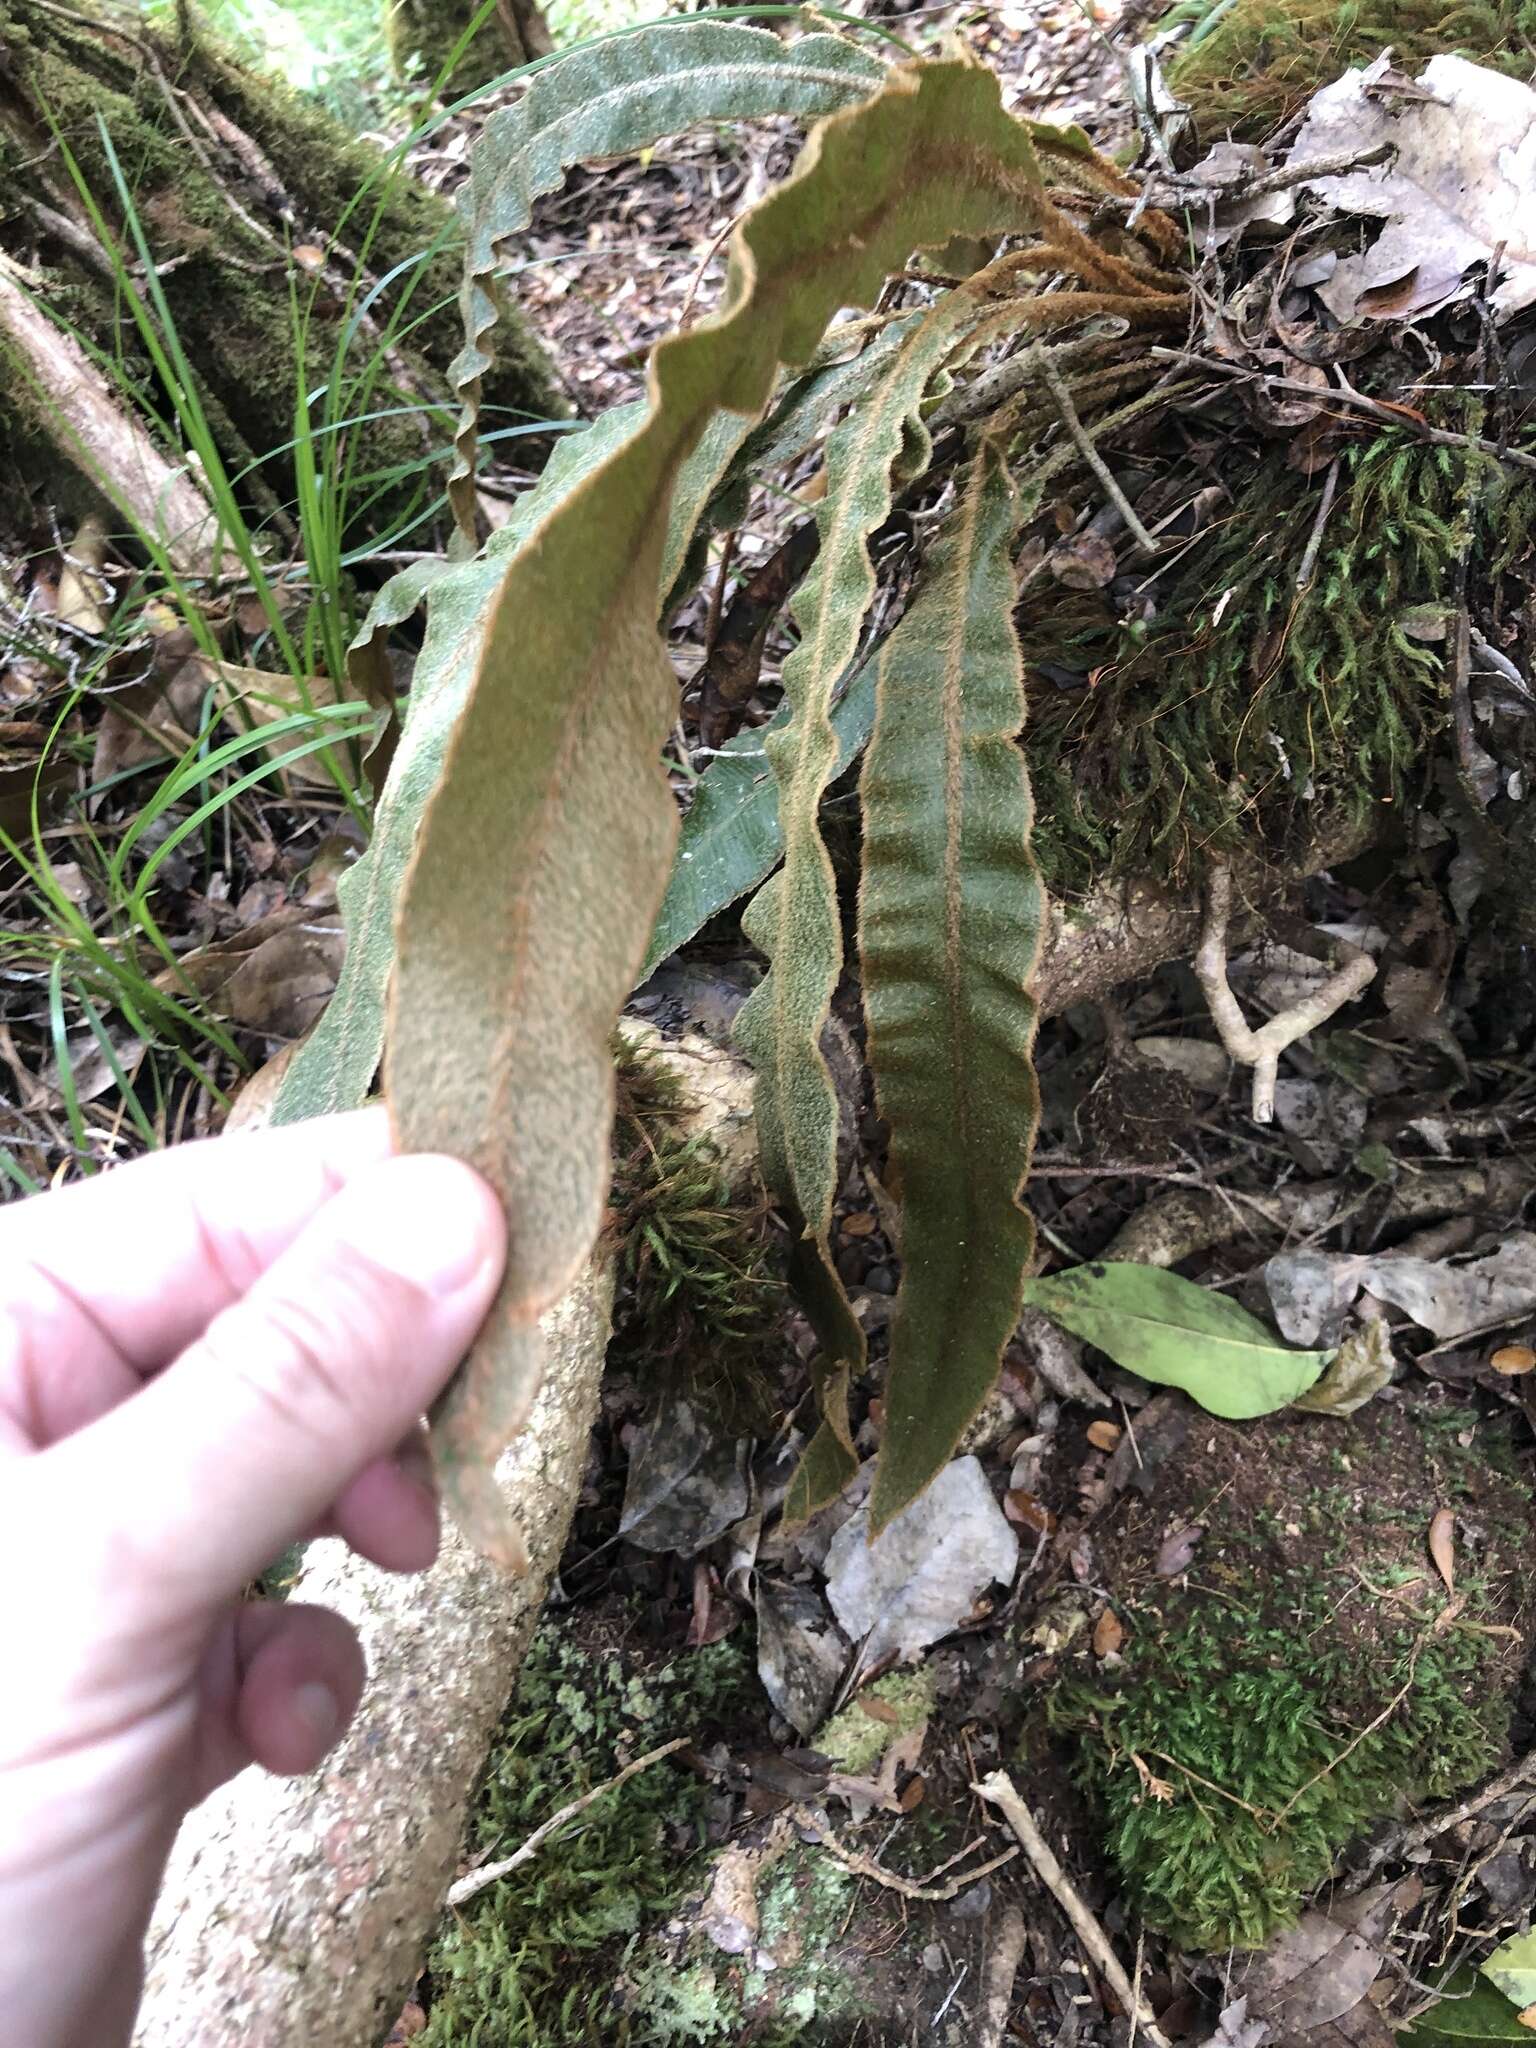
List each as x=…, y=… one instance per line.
x=912, y=1795
x=1108, y=1634
x=412, y=2021
x=878, y=1710
x=1513, y=1358
x=1442, y=1545
x=149, y=720
x=862, y=1223
x=1154, y=1787
x=1104, y=1435
x=1030, y=1513
x=1458, y=188
x=1084, y=563
x=275, y=977
x=82, y=590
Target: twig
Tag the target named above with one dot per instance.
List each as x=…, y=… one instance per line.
x=1314, y=546
x=865, y=1866
x=1344, y=394
x=997, y=1986
x=1261, y=1049
x=489, y=1873
x=1083, y=442
x=1403, y=1839
x=998, y=1790
x=1188, y=190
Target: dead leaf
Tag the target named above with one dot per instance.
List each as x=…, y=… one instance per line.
x=1176, y=1552
x=1442, y=1545
x=1086, y=562
x=921, y=1577
x=913, y=1795
x=264, y=698
x=1362, y=1366
x=82, y=590
x=1027, y=1511
x=412, y=2021
x=801, y=1652
x=878, y=1710
x=1153, y=1786
x=275, y=977
x=1313, y=1291
x=1458, y=188
x=687, y=1481
x=1321, y=1968
x=1108, y=1633
x=1104, y=1435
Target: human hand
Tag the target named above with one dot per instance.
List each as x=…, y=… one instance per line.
x=203, y=1357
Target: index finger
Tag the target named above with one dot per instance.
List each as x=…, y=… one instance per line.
x=103, y=1283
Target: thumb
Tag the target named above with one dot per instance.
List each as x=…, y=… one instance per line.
x=333, y=1355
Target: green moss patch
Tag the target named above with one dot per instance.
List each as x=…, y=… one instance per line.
x=531, y=1961
x=1309, y=1672
x=1249, y=64
x=1247, y=706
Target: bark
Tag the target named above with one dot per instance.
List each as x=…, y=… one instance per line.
x=295, y=1910
x=238, y=186
x=92, y=428
x=422, y=36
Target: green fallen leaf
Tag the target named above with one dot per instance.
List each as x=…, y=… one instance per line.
x=1179, y=1335
x=1469, y=2010
x=1512, y=1967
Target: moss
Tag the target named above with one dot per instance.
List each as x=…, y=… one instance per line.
x=1259, y=60
x=529, y=1963
x=1245, y=710
x=423, y=34
x=856, y=1739
x=1309, y=1676
x=701, y=1295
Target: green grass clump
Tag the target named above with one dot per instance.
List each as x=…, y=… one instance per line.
x=530, y=1963
x=1248, y=1726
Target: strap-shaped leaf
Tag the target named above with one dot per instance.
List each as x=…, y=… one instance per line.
x=950, y=915
x=610, y=99
x=334, y=1068
x=544, y=851
x=794, y=918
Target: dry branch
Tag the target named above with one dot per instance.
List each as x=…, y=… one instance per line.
x=96, y=434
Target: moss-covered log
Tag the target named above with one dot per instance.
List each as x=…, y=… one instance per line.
x=268, y=226
x=423, y=36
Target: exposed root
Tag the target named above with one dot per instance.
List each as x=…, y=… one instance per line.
x=1261, y=1049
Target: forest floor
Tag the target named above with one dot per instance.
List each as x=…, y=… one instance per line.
x=1228, y=1663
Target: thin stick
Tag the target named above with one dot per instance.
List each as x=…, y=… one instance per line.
x=1315, y=538
x=477, y=1880
x=1261, y=1049
x=1055, y=384
x=865, y=1866
x=999, y=1790
x=1390, y=415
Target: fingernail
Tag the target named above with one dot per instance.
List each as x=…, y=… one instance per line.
x=318, y=1713
x=434, y=1222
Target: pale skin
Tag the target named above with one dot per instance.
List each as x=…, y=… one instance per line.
x=204, y=1357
